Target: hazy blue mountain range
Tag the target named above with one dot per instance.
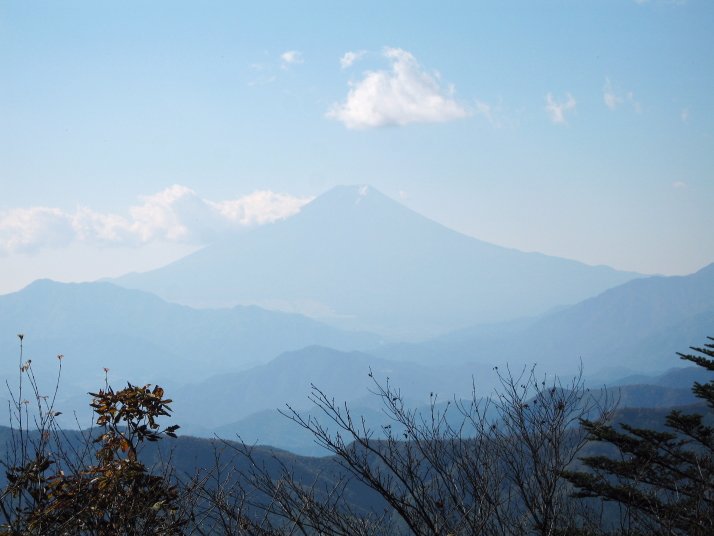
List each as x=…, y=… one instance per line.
x=358, y=258
x=204, y=356
x=676, y=377
x=270, y=427
x=248, y=401
x=142, y=338
x=226, y=398
x=638, y=325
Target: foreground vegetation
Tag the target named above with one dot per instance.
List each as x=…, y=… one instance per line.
x=510, y=467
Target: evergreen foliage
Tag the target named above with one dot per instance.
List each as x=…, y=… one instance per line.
x=664, y=481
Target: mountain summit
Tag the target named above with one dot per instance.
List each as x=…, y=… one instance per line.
x=356, y=257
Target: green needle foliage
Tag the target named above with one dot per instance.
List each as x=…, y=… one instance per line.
x=664, y=481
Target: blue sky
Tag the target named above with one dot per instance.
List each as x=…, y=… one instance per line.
x=132, y=133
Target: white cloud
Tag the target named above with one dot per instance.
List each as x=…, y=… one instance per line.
x=497, y=114
x=350, y=57
x=611, y=99
x=399, y=96
x=175, y=215
x=685, y=114
x=260, y=207
x=494, y=114
x=24, y=230
x=485, y=110
x=292, y=56
x=635, y=104
x=679, y=184
x=262, y=81
x=557, y=110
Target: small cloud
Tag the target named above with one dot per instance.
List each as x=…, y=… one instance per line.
x=263, y=80
x=485, y=109
x=679, y=184
x=402, y=95
x=557, y=109
x=403, y=194
x=256, y=66
x=636, y=104
x=350, y=57
x=611, y=99
x=494, y=114
x=176, y=214
x=685, y=114
x=259, y=208
x=293, y=56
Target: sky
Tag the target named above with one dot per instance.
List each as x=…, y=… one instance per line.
x=133, y=133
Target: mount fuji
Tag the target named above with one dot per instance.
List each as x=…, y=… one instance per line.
x=356, y=258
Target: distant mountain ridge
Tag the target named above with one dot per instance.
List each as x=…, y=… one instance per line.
x=141, y=337
x=249, y=407
x=288, y=378
x=270, y=427
x=357, y=258
x=640, y=324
